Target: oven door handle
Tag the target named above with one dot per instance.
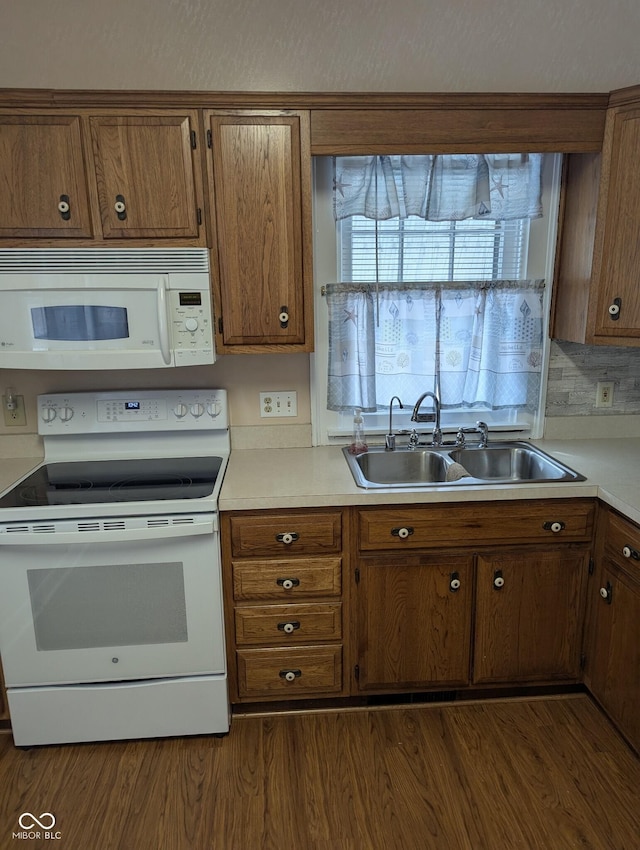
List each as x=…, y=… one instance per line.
x=106, y=537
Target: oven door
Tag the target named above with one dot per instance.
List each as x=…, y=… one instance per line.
x=124, y=598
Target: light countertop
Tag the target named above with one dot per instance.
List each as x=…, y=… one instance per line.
x=319, y=477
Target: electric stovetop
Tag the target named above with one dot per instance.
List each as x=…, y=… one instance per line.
x=131, y=480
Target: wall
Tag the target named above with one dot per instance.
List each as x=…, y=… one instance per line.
x=336, y=45
x=574, y=371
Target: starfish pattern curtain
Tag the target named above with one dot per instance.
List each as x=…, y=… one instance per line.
x=483, y=339
x=439, y=188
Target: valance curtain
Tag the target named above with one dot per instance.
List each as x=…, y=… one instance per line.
x=483, y=339
x=439, y=188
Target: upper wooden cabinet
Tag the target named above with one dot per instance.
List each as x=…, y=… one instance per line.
x=259, y=170
x=102, y=176
x=597, y=297
x=43, y=180
x=145, y=180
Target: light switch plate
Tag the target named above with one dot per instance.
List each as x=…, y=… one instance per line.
x=278, y=404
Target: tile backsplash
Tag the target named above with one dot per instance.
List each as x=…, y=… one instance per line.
x=574, y=371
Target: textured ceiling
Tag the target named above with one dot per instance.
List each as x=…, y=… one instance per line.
x=300, y=45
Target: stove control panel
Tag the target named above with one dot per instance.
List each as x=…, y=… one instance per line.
x=133, y=410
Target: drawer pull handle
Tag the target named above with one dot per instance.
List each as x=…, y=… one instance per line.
x=607, y=593
x=454, y=582
x=402, y=533
x=553, y=526
x=289, y=628
x=290, y=675
x=287, y=583
x=287, y=537
x=630, y=552
x=498, y=580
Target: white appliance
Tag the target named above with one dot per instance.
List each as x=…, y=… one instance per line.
x=111, y=614
x=93, y=308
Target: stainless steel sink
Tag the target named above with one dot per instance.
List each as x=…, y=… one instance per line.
x=498, y=463
x=513, y=462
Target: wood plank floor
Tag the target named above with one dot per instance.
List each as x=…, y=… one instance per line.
x=547, y=773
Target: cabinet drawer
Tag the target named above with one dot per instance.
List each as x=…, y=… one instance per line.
x=430, y=526
x=311, y=669
x=289, y=623
x=287, y=579
x=286, y=534
x=622, y=541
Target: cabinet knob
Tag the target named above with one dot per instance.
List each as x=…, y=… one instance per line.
x=498, y=580
x=607, y=593
x=120, y=207
x=64, y=208
x=287, y=537
x=283, y=318
x=553, y=526
x=402, y=533
x=289, y=628
x=614, y=309
x=454, y=582
x=290, y=675
x=287, y=583
x=630, y=552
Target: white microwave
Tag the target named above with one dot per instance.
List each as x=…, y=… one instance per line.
x=94, y=308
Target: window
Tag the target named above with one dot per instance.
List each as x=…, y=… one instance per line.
x=362, y=251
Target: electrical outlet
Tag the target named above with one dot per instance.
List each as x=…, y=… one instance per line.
x=16, y=416
x=604, y=394
x=278, y=404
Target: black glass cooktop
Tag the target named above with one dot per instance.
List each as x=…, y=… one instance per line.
x=135, y=480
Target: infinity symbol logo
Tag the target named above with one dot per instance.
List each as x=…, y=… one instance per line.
x=45, y=821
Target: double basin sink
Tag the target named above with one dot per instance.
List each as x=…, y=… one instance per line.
x=498, y=463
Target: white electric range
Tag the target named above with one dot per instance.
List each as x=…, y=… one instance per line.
x=111, y=617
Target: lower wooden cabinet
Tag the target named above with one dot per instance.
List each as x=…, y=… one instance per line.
x=613, y=626
x=283, y=579
x=414, y=621
x=382, y=599
x=529, y=615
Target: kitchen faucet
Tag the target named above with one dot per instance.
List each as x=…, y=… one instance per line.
x=416, y=416
x=390, y=439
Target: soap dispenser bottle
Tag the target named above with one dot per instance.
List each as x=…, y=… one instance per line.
x=359, y=443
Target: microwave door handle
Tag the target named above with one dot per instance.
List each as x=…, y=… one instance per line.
x=163, y=322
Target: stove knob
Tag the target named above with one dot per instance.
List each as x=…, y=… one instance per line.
x=213, y=408
x=180, y=410
x=191, y=324
x=48, y=414
x=66, y=414
x=197, y=410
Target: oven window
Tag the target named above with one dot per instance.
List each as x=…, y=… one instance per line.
x=112, y=605
x=80, y=323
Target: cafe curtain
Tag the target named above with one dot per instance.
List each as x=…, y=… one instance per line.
x=439, y=188
x=482, y=338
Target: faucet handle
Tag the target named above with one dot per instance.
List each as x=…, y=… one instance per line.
x=484, y=433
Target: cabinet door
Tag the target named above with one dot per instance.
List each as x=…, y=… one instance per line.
x=42, y=175
x=146, y=185
x=613, y=669
x=414, y=621
x=529, y=614
x=618, y=256
x=260, y=182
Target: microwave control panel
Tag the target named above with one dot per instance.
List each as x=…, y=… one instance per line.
x=191, y=326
